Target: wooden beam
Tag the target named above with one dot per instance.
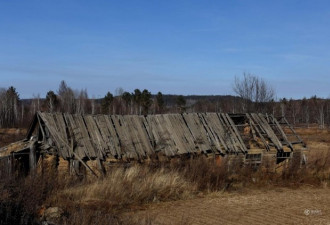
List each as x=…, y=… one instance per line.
x=32, y=156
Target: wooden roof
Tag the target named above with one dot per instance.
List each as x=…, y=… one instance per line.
x=137, y=137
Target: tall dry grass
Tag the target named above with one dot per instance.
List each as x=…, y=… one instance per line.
x=131, y=186
x=102, y=201
x=209, y=176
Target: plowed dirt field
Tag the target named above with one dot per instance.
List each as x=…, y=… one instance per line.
x=278, y=206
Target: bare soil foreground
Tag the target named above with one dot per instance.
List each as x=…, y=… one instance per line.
x=278, y=206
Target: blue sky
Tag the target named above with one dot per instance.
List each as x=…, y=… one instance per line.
x=177, y=47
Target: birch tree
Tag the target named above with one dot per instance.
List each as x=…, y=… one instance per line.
x=254, y=91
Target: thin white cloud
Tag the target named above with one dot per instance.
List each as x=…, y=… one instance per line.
x=296, y=57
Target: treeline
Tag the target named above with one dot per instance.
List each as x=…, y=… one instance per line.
x=15, y=112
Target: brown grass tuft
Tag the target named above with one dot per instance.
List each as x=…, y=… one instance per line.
x=132, y=186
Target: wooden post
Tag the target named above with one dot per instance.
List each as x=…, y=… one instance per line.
x=32, y=156
x=76, y=166
x=101, y=166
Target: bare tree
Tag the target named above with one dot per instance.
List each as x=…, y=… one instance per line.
x=3, y=106
x=305, y=111
x=35, y=106
x=51, y=101
x=67, y=98
x=9, y=107
x=118, y=103
x=320, y=116
x=81, y=103
x=93, y=105
x=321, y=113
x=254, y=91
x=294, y=108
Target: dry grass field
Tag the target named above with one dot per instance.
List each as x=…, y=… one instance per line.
x=194, y=192
x=9, y=135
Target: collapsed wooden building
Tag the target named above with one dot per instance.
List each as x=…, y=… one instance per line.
x=91, y=143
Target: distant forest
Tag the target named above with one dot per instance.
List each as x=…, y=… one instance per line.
x=253, y=95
